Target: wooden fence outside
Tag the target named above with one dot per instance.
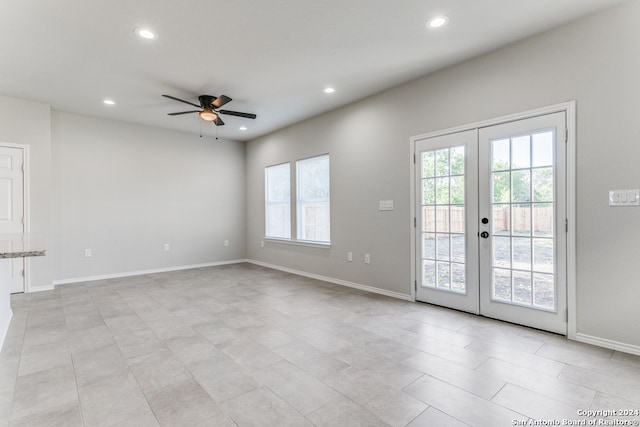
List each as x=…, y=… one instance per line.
x=451, y=219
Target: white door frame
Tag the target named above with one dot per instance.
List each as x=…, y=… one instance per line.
x=569, y=108
x=25, y=201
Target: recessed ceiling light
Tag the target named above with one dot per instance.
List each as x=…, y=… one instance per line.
x=145, y=33
x=329, y=90
x=438, y=21
x=109, y=101
x=243, y=128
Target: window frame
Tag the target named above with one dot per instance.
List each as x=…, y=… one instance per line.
x=294, y=204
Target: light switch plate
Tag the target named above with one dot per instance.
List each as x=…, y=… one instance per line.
x=386, y=205
x=618, y=198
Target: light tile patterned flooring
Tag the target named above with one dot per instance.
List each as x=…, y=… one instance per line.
x=244, y=345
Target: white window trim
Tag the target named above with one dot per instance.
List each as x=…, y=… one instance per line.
x=298, y=242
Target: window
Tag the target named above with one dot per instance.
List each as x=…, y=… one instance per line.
x=312, y=202
x=278, y=201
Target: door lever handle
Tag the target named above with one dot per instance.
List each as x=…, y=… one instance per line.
x=484, y=234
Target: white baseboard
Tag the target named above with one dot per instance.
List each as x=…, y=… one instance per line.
x=606, y=343
x=141, y=272
x=40, y=289
x=5, y=330
x=333, y=280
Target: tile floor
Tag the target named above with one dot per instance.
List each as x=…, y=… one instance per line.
x=244, y=345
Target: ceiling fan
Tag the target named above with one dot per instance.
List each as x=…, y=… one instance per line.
x=210, y=108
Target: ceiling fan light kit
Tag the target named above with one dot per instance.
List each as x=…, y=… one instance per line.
x=208, y=115
x=210, y=108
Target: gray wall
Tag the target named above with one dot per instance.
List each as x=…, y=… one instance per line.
x=123, y=190
x=594, y=61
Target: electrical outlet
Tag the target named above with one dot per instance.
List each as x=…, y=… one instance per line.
x=87, y=253
x=166, y=247
x=349, y=256
x=226, y=243
x=367, y=259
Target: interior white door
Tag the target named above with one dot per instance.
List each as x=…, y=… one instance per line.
x=522, y=197
x=12, y=208
x=490, y=221
x=446, y=221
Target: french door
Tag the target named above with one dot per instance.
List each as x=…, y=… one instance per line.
x=491, y=215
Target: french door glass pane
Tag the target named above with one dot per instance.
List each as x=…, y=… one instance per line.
x=442, y=247
x=442, y=191
x=501, y=155
x=521, y=219
x=428, y=192
x=457, y=190
x=443, y=275
x=457, y=277
x=522, y=287
x=543, y=185
x=521, y=152
x=544, y=293
x=429, y=271
x=458, y=248
x=522, y=188
x=543, y=219
x=502, y=252
x=457, y=161
x=543, y=255
x=521, y=253
x=501, y=219
x=501, y=187
x=429, y=245
x=443, y=219
x=429, y=218
x=428, y=164
x=502, y=284
x=542, y=149
x=457, y=219
x=442, y=162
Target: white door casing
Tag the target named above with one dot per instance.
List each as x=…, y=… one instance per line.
x=12, y=208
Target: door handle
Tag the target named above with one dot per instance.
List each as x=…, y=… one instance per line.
x=484, y=234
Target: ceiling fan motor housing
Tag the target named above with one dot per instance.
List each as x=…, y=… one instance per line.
x=206, y=101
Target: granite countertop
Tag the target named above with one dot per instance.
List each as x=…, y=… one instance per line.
x=21, y=245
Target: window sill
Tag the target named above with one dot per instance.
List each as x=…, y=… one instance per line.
x=299, y=242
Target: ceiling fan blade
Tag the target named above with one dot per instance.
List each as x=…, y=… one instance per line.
x=181, y=100
x=220, y=101
x=183, y=112
x=218, y=121
x=239, y=114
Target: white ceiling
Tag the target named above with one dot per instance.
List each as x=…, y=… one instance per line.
x=272, y=57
